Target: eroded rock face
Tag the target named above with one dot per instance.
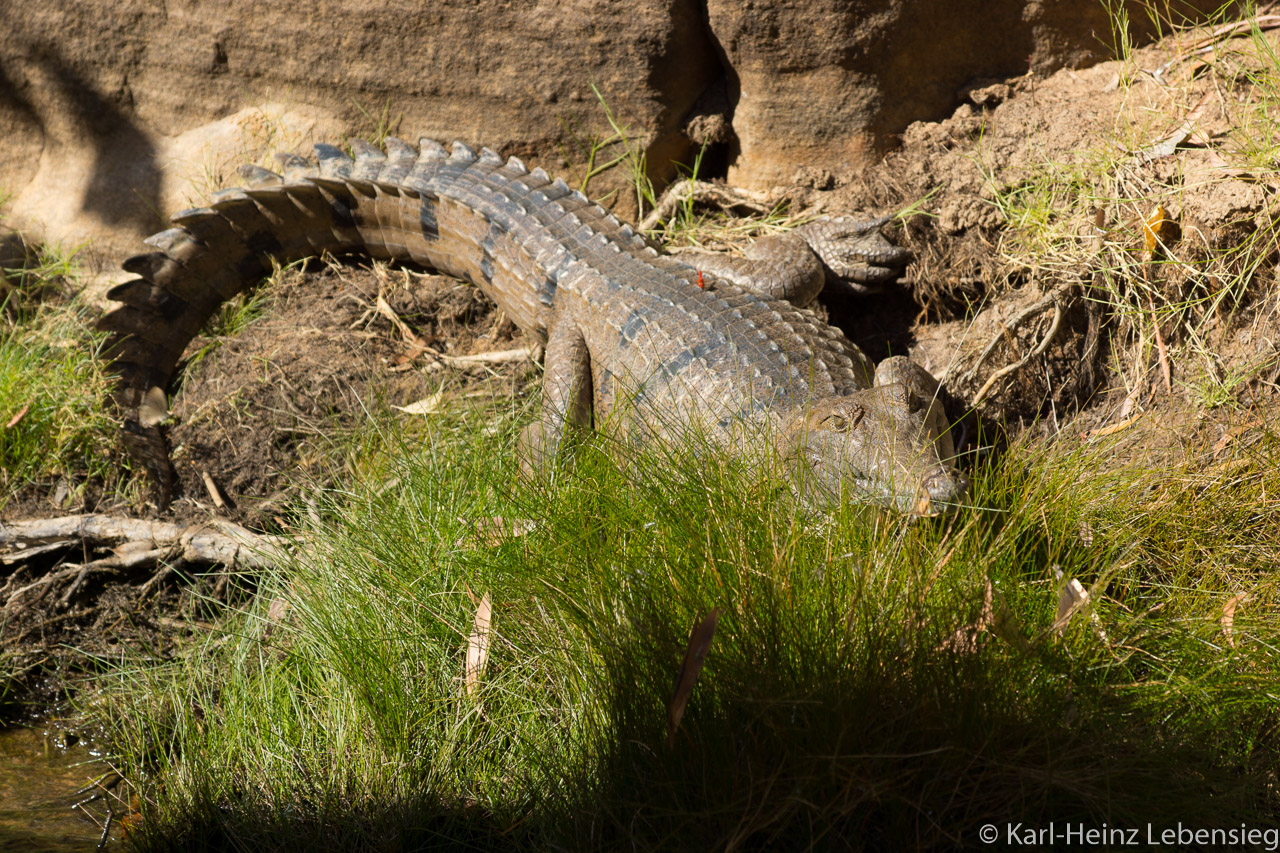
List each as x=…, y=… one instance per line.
x=832, y=83
x=117, y=113
x=102, y=102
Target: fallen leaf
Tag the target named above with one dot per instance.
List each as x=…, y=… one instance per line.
x=277, y=609
x=22, y=413
x=1228, y=618
x=1072, y=597
x=1113, y=428
x=1231, y=435
x=154, y=409
x=1158, y=231
x=478, y=645
x=1184, y=132
x=694, y=656
x=426, y=406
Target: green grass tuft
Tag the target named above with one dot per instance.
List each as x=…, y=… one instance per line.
x=857, y=686
x=54, y=413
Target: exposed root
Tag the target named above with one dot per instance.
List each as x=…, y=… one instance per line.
x=702, y=192
x=134, y=544
x=1049, y=335
x=1055, y=301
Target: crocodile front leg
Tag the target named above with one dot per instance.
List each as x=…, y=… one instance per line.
x=796, y=265
x=566, y=396
x=781, y=266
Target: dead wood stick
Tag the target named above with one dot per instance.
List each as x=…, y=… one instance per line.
x=212, y=488
x=216, y=541
x=500, y=357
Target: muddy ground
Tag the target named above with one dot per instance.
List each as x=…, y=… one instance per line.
x=261, y=403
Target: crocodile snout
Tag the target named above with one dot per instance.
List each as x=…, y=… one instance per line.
x=941, y=491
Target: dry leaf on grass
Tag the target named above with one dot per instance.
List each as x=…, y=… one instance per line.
x=425, y=406
x=694, y=656
x=22, y=413
x=1228, y=619
x=1231, y=435
x=1072, y=597
x=1110, y=429
x=1159, y=230
x=154, y=409
x=277, y=609
x=478, y=645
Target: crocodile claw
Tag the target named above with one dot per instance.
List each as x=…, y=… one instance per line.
x=856, y=253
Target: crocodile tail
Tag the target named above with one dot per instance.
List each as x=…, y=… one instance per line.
x=338, y=205
x=465, y=213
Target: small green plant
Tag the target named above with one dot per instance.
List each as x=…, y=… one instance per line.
x=381, y=125
x=603, y=153
x=54, y=419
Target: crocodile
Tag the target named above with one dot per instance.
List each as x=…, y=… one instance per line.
x=703, y=341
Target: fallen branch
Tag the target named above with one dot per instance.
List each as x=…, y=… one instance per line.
x=505, y=356
x=133, y=539
x=134, y=544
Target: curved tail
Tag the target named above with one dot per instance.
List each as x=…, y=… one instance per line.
x=384, y=205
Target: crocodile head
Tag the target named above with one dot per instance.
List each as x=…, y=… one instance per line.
x=886, y=445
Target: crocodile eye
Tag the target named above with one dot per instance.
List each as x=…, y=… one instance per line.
x=843, y=423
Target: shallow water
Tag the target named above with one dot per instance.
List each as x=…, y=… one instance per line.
x=38, y=784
